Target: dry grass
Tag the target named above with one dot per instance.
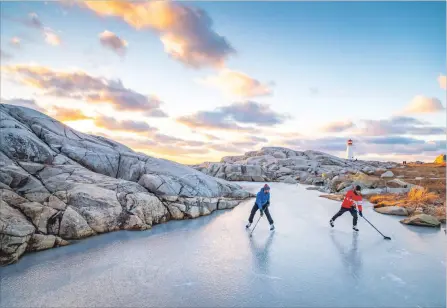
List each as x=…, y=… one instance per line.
x=430, y=202
x=423, y=195
x=433, y=177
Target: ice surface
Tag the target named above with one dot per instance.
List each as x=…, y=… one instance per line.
x=211, y=262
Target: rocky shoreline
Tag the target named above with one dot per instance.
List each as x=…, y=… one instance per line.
x=277, y=164
x=58, y=184
x=333, y=176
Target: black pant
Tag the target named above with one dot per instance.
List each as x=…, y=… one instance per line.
x=266, y=211
x=343, y=210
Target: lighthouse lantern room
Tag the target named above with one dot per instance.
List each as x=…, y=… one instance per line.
x=349, y=150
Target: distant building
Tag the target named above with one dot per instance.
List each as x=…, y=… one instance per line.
x=349, y=149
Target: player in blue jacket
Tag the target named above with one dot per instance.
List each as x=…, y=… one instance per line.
x=262, y=203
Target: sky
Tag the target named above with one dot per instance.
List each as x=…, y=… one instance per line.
x=196, y=81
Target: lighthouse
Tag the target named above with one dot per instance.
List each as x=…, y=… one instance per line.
x=349, y=150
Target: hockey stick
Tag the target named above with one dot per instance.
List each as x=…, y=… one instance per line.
x=255, y=226
x=384, y=237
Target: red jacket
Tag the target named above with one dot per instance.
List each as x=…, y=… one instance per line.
x=351, y=199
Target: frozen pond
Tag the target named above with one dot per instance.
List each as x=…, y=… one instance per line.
x=211, y=261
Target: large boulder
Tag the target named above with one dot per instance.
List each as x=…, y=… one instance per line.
x=392, y=210
x=279, y=155
x=289, y=180
x=15, y=232
x=42, y=242
x=388, y=174
x=284, y=171
x=398, y=183
x=422, y=220
x=344, y=185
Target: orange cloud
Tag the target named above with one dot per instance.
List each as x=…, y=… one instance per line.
x=422, y=104
x=66, y=115
x=238, y=84
x=336, y=127
x=112, y=41
x=186, y=32
x=163, y=145
x=127, y=126
x=442, y=80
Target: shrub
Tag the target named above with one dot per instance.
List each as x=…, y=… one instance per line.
x=421, y=195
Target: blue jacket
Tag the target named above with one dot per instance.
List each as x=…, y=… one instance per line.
x=262, y=198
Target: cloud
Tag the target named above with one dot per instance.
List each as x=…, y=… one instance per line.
x=226, y=148
x=65, y=114
x=112, y=124
x=253, y=113
x=186, y=32
x=235, y=147
x=229, y=117
x=422, y=104
x=238, y=84
x=49, y=34
x=174, y=141
x=111, y=41
x=398, y=126
x=51, y=37
x=211, y=137
x=82, y=86
x=393, y=140
x=370, y=145
x=403, y=120
x=322, y=144
x=156, y=112
x=257, y=139
x=442, y=80
x=162, y=144
x=212, y=120
x=15, y=42
x=336, y=127
x=23, y=102
x=33, y=21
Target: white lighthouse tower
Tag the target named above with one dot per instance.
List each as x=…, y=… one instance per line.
x=349, y=150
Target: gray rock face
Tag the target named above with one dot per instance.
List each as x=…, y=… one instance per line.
x=286, y=165
x=58, y=184
x=15, y=232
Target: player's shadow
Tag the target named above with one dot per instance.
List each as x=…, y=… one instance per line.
x=350, y=255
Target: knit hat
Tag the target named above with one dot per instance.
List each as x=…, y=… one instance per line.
x=266, y=187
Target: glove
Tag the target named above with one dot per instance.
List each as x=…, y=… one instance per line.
x=360, y=213
x=262, y=212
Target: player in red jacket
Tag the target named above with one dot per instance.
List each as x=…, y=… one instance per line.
x=353, y=200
